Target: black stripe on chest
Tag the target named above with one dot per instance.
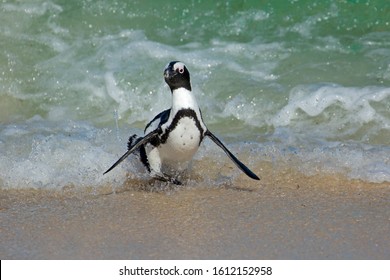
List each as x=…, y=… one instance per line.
x=189, y=113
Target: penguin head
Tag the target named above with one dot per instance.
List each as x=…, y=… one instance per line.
x=176, y=75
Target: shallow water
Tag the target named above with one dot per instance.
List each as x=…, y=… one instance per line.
x=305, y=83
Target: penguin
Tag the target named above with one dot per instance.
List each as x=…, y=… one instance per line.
x=173, y=136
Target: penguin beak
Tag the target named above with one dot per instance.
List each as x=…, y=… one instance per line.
x=168, y=73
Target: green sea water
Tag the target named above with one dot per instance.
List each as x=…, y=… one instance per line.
x=279, y=78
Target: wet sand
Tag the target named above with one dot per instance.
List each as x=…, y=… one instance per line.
x=288, y=216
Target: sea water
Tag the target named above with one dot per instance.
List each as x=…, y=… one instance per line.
x=299, y=80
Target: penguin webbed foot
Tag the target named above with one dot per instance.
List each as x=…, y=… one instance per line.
x=167, y=178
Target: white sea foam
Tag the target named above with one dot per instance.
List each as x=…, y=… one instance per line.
x=46, y=154
x=364, y=162
x=53, y=155
x=335, y=110
x=33, y=9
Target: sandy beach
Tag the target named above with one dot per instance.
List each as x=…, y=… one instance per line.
x=289, y=216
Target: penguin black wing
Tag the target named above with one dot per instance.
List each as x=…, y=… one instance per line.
x=239, y=164
x=147, y=138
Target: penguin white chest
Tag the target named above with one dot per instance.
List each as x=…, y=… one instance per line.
x=183, y=140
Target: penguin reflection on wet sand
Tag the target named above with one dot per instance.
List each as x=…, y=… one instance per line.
x=174, y=135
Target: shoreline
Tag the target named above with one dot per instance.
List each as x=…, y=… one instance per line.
x=288, y=217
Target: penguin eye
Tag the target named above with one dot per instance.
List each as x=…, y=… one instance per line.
x=181, y=70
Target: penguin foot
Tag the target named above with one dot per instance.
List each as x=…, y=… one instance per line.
x=166, y=178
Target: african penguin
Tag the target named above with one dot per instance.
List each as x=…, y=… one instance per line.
x=174, y=135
